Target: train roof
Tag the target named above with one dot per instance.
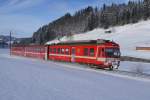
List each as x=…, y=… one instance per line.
x=99, y=41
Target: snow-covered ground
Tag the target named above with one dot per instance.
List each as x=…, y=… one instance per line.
x=137, y=67
x=128, y=36
x=31, y=79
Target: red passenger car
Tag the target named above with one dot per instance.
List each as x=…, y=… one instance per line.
x=102, y=53
x=34, y=51
x=18, y=50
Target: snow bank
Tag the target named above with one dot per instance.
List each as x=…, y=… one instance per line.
x=135, y=67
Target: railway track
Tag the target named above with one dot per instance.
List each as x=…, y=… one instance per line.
x=132, y=74
x=115, y=71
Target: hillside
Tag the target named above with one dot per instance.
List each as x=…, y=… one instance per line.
x=128, y=36
x=90, y=18
x=62, y=26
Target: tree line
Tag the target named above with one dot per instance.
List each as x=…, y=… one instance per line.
x=93, y=17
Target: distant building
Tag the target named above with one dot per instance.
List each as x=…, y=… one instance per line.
x=3, y=44
x=144, y=48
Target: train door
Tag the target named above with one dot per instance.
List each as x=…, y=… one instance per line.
x=73, y=54
x=100, y=54
x=46, y=52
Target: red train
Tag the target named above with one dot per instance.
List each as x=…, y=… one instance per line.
x=35, y=51
x=102, y=53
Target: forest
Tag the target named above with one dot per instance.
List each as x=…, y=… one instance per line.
x=90, y=18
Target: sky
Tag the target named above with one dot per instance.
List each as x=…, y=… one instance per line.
x=23, y=17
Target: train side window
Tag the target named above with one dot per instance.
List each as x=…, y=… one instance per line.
x=58, y=50
x=50, y=50
x=85, y=51
x=54, y=50
x=67, y=51
x=62, y=51
x=41, y=49
x=38, y=49
x=91, y=51
x=33, y=49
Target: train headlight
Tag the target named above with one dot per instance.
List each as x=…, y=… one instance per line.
x=108, y=62
x=116, y=64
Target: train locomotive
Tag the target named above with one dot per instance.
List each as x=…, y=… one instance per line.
x=101, y=53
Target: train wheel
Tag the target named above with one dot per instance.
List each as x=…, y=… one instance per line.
x=111, y=68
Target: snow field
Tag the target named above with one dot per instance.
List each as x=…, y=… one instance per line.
x=33, y=79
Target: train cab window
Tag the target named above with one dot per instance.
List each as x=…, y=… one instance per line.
x=112, y=52
x=85, y=51
x=67, y=51
x=58, y=50
x=91, y=51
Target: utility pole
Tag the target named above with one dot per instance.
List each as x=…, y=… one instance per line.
x=10, y=42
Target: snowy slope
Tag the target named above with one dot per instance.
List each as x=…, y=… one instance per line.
x=128, y=36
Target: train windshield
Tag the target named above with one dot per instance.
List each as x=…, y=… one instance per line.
x=112, y=52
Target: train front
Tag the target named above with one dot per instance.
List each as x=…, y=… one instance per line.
x=111, y=55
